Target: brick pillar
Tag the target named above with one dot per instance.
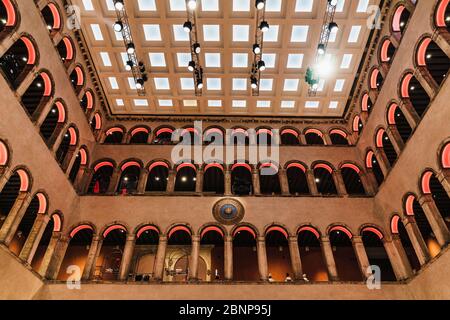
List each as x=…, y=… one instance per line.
x=262, y=258
x=58, y=257
x=255, y=181
x=282, y=175
x=49, y=253
x=311, y=179
x=327, y=252
x=398, y=258
x=114, y=181
x=193, y=261
x=171, y=181
x=416, y=239
x=227, y=176
x=435, y=219
x=160, y=258
x=14, y=217
x=199, y=181
x=361, y=255
x=143, y=176
x=127, y=257
x=296, y=262
x=34, y=237
x=339, y=182
x=228, y=257
x=89, y=269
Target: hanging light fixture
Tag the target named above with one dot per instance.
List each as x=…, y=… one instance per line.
x=187, y=26
x=260, y=4
x=118, y=26
x=196, y=47
x=131, y=48
x=191, y=66
x=118, y=4
x=192, y=4
x=256, y=49
x=264, y=26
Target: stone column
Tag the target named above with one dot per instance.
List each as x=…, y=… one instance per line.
x=311, y=179
x=339, y=182
x=56, y=133
x=143, y=176
x=410, y=113
x=199, y=181
x=127, y=257
x=427, y=81
x=361, y=255
x=14, y=217
x=417, y=241
x=255, y=181
x=85, y=180
x=227, y=176
x=114, y=181
x=193, y=262
x=4, y=177
x=160, y=258
x=89, y=269
x=284, y=183
x=383, y=161
x=398, y=258
x=79, y=177
x=302, y=139
x=68, y=158
x=444, y=178
x=442, y=39
x=34, y=237
x=49, y=253
x=396, y=139
x=262, y=258
x=171, y=181
x=435, y=219
x=327, y=252
x=327, y=139
x=296, y=262
x=369, y=182
x=228, y=257
x=58, y=257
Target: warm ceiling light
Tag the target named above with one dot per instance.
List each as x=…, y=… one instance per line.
x=253, y=82
x=260, y=4
x=321, y=49
x=129, y=65
x=131, y=48
x=118, y=26
x=187, y=26
x=333, y=2
x=333, y=27
x=191, y=66
x=256, y=49
x=139, y=83
x=118, y=4
x=196, y=47
x=192, y=4
x=264, y=26
x=199, y=83
x=261, y=65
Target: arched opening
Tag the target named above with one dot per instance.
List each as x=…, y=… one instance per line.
x=8, y=195
x=54, y=225
x=352, y=180
x=101, y=178
x=372, y=163
x=376, y=253
x=18, y=61
x=213, y=178
x=357, y=124
x=314, y=267
x=186, y=177
x=431, y=56
x=445, y=156
x=397, y=118
x=442, y=15
x=157, y=177
x=69, y=140
x=264, y=137
x=96, y=122
x=387, y=51
x=338, y=137
x=178, y=254
x=144, y=255
x=4, y=156
x=190, y=135
x=240, y=137
x=56, y=116
x=385, y=143
x=297, y=180
x=432, y=185
x=314, y=137
x=278, y=255
x=163, y=136
x=289, y=137
x=376, y=79
x=245, y=257
x=80, y=160
x=66, y=50
x=412, y=89
x=8, y=17
x=397, y=227
x=110, y=257
x=212, y=248
x=52, y=17
x=77, y=251
x=87, y=102
x=38, y=205
x=129, y=178
x=37, y=93
x=323, y=175
x=241, y=179
x=77, y=79
x=114, y=135
x=268, y=179
x=213, y=136
x=400, y=20
x=139, y=135
x=366, y=106
x=344, y=254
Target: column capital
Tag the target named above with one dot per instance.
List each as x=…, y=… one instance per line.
x=131, y=237
x=293, y=239
x=228, y=238
x=357, y=239
x=163, y=238
x=195, y=238
x=261, y=239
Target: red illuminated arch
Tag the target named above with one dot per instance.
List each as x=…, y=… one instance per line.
x=112, y=228
x=384, y=57
x=351, y=166
x=314, y=131
x=440, y=14
x=103, y=164
x=365, y=102
x=73, y=136
x=79, y=228
x=80, y=75
x=89, y=99
x=239, y=131
x=48, y=86
x=164, y=130
x=369, y=159
x=213, y=165
x=69, y=49
x=244, y=229
x=114, y=129
x=409, y=204
x=4, y=154
x=56, y=16
x=130, y=164
x=264, y=131
x=61, y=111
x=213, y=131
x=57, y=222
x=296, y=165
x=445, y=156
x=394, y=223
x=277, y=229
x=179, y=228
x=422, y=51
x=24, y=180
x=396, y=18
x=425, y=182
x=42, y=202
x=11, y=19
x=404, y=88
x=139, y=130
x=373, y=230
x=355, y=125
x=379, y=138
x=146, y=228
x=211, y=229
x=310, y=229
x=269, y=165
x=98, y=121
x=84, y=156
x=391, y=113
x=240, y=164
x=31, y=50
x=343, y=229
x=157, y=164
x=373, y=78
x=186, y=165
x=290, y=131
x=339, y=132
x=323, y=166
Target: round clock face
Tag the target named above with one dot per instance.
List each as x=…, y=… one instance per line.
x=228, y=211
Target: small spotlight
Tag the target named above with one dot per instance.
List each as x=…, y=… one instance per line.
x=191, y=66
x=261, y=65
x=141, y=66
x=321, y=49
x=199, y=83
x=139, y=83
x=260, y=4
x=256, y=49
x=184, y=179
x=196, y=47
x=131, y=48
x=118, y=4
x=429, y=56
x=192, y=4
x=118, y=26
x=333, y=2
x=317, y=180
x=253, y=82
x=187, y=26
x=264, y=26
x=129, y=65
x=333, y=27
